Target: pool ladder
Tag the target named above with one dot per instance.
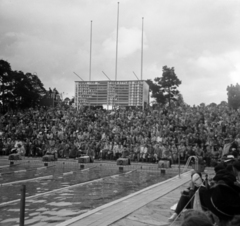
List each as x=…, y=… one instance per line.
x=188, y=162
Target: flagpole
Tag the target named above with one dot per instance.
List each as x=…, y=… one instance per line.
x=117, y=43
x=90, y=63
x=142, y=51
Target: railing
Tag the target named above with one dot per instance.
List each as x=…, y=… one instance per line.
x=189, y=161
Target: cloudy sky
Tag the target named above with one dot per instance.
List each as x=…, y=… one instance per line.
x=199, y=38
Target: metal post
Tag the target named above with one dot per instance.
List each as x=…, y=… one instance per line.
x=117, y=43
x=142, y=51
x=22, y=205
x=90, y=64
x=179, y=164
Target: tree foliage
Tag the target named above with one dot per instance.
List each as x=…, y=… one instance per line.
x=19, y=90
x=156, y=92
x=233, y=93
x=164, y=89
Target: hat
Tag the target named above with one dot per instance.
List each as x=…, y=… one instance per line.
x=222, y=200
x=197, y=179
x=229, y=158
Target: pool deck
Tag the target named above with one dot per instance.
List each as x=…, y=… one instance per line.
x=150, y=206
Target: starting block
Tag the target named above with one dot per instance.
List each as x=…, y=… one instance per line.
x=14, y=157
x=48, y=158
x=163, y=164
x=85, y=159
x=123, y=161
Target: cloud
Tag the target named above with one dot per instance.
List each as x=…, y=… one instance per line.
x=129, y=41
x=200, y=39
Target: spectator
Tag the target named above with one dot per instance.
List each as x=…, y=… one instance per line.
x=196, y=218
x=187, y=197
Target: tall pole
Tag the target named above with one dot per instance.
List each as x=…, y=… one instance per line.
x=22, y=205
x=142, y=51
x=117, y=43
x=90, y=63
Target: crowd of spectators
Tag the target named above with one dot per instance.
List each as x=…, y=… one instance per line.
x=142, y=135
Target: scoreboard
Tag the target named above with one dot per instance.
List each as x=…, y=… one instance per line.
x=115, y=93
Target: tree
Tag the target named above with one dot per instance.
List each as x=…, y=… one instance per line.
x=179, y=100
x=165, y=88
x=72, y=101
x=5, y=81
x=213, y=105
x=19, y=90
x=233, y=93
x=156, y=92
x=27, y=89
x=223, y=103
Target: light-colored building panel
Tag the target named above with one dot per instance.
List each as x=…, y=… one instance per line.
x=115, y=93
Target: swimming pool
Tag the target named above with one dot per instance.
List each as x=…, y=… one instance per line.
x=63, y=190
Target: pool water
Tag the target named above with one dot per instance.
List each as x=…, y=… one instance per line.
x=99, y=185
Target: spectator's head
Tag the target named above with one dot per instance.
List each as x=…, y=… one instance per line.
x=223, y=201
x=196, y=218
x=197, y=179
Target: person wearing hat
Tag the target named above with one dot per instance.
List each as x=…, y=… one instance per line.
x=186, y=199
x=222, y=200
x=227, y=172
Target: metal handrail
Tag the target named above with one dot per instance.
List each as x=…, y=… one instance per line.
x=188, y=162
